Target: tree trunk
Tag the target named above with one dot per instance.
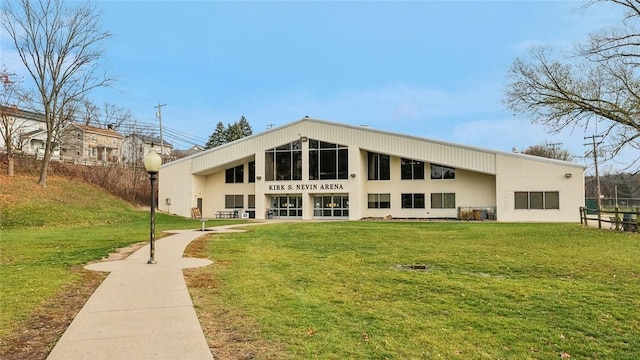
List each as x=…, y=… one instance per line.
x=44, y=168
x=10, y=166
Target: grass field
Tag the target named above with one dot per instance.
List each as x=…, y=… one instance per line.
x=339, y=290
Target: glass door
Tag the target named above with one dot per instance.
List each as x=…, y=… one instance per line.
x=331, y=206
x=286, y=206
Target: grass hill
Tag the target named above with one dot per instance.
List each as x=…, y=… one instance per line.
x=63, y=202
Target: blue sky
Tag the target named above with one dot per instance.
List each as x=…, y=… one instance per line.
x=433, y=69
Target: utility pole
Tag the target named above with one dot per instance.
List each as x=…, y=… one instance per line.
x=595, y=163
x=159, y=116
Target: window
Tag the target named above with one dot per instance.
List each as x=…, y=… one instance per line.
x=252, y=171
x=411, y=169
x=251, y=201
x=413, y=201
x=235, y=175
x=443, y=200
x=233, y=201
x=545, y=200
x=284, y=162
x=327, y=161
x=379, y=201
x=442, y=172
x=378, y=166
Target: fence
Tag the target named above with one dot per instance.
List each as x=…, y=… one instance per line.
x=617, y=219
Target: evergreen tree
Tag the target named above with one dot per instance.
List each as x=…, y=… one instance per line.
x=218, y=137
x=232, y=132
x=245, y=127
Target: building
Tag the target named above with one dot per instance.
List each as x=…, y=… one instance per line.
x=28, y=131
x=85, y=144
x=136, y=146
x=313, y=169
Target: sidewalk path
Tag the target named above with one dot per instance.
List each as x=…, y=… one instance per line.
x=140, y=311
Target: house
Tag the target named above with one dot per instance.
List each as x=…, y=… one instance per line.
x=85, y=144
x=314, y=169
x=29, y=133
x=179, y=154
x=136, y=146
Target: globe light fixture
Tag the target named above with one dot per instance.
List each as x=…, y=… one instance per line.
x=152, y=163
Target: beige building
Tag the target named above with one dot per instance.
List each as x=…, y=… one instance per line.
x=87, y=144
x=313, y=169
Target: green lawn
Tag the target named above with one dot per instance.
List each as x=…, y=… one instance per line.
x=342, y=290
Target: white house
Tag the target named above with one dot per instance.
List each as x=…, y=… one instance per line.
x=29, y=133
x=136, y=146
x=313, y=169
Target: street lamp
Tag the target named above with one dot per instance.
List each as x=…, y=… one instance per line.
x=152, y=162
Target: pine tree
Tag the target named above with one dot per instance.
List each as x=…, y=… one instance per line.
x=245, y=127
x=218, y=137
x=234, y=132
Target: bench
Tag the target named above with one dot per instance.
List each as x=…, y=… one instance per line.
x=227, y=214
x=626, y=224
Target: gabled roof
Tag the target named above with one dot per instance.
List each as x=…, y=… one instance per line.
x=97, y=130
x=25, y=114
x=31, y=133
x=395, y=144
x=151, y=140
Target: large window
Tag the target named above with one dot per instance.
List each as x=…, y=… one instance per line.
x=252, y=172
x=235, y=175
x=443, y=200
x=233, y=201
x=442, y=172
x=378, y=166
x=379, y=201
x=327, y=161
x=411, y=169
x=413, y=201
x=284, y=162
x=537, y=200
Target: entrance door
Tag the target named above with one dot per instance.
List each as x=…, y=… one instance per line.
x=331, y=206
x=286, y=206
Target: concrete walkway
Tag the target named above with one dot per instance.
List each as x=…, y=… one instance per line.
x=140, y=311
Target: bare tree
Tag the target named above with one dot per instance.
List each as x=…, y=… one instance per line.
x=551, y=152
x=60, y=46
x=597, y=82
x=12, y=125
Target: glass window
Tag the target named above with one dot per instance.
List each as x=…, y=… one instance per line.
x=443, y=200
x=379, y=201
x=327, y=161
x=521, y=200
x=413, y=201
x=536, y=200
x=252, y=171
x=552, y=200
x=449, y=200
x=442, y=172
x=233, y=201
x=235, y=175
x=378, y=166
x=284, y=162
x=251, y=201
x=411, y=169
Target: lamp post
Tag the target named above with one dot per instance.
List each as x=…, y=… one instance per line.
x=152, y=162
